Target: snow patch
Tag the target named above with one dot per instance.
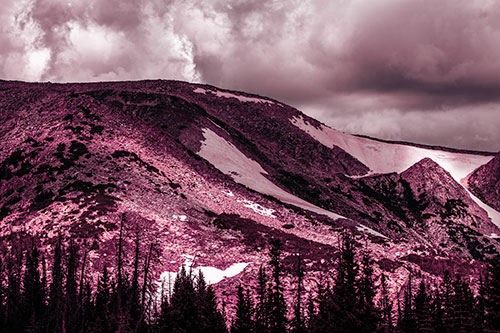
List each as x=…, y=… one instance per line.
x=230, y=95
x=228, y=193
x=212, y=275
x=258, y=208
x=200, y=91
x=364, y=228
x=231, y=161
x=180, y=217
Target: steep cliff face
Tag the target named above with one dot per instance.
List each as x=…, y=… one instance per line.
x=444, y=212
x=212, y=174
x=485, y=183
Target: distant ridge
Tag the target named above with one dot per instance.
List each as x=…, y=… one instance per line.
x=421, y=145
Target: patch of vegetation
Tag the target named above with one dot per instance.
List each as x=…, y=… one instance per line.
x=5, y=173
x=193, y=155
x=256, y=235
x=77, y=149
x=13, y=201
x=4, y=211
x=96, y=129
x=174, y=185
x=68, y=117
x=389, y=265
x=14, y=158
x=76, y=130
x=84, y=229
x=42, y=200
x=45, y=168
x=454, y=208
x=134, y=157
x=25, y=168
x=87, y=113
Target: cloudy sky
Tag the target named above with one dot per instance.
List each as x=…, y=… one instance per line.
x=417, y=70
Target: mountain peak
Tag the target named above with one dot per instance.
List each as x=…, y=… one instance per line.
x=426, y=169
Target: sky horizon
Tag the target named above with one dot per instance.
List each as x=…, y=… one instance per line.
x=406, y=70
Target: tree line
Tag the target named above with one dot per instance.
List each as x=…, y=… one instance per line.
x=355, y=299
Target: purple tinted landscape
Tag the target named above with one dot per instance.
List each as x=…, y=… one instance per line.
x=140, y=179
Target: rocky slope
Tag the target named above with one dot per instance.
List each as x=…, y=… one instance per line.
x=485, y=183
x=208, y=176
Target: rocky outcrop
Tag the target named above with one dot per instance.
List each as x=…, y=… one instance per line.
x=485, y=182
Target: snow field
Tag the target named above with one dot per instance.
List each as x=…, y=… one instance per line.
x=231, y=161
x=382, y=157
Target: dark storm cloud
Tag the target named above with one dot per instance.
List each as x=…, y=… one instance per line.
x=390, y=68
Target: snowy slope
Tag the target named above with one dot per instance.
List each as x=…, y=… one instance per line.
x=231, y=161
x=224, y=94
x=492, y=213
x=382, y=157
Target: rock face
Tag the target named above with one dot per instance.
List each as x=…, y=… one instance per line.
x=432, y=206
x=485, y=182
x=211, y=174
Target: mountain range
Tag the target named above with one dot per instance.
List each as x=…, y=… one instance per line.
x=206, y=176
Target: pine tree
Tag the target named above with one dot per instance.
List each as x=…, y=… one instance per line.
x=3, y=281
x=243, y=321
x=262, y=306
x=491, y=295
x=147, y=264
x=385, y=306
x=56, y=293
x=446, y=292
x=367, y=310
x=183, y=312
x=102, y=301
x=325, y=320
x=44, y=292
x=422, y=310
x=33, y=298
x=310, y=314
x=480, y=319
x=163, y=320
x=88, y=311
x=71, y=302
x=463, y=306
x=134, y=306
x=277, y=304
x=345, y=295
x=13, y=312
x=406, y=320
x=298, y=320
x=81, y=320
x=437, y=311
x=211, y=319
x=345, y=283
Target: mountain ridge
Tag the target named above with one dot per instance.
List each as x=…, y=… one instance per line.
x=77, y=158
